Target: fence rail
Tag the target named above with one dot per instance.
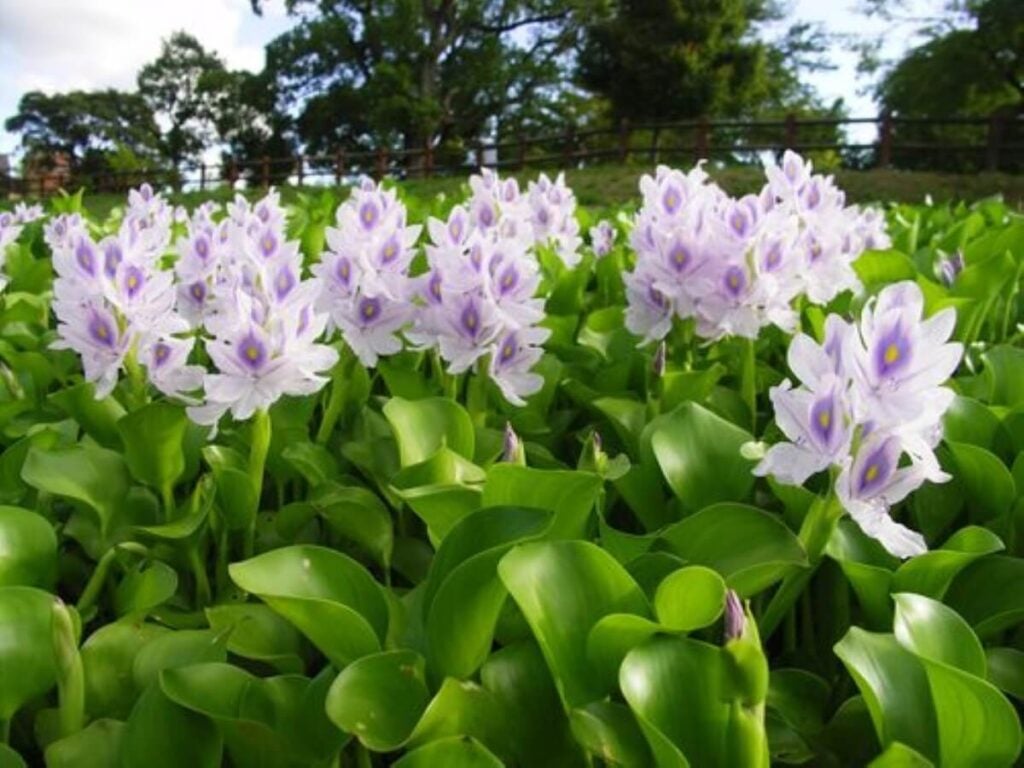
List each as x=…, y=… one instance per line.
x=993, y=143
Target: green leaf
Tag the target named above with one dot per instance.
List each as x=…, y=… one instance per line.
x=570, y=495
x=989, y=484
x=153, y=437
x=108, y=656
x=452, y=752
x=257, y=633
x=98, y=418
x=1004, y=374
x=380, y=698
x=878, y=268
x=93, y=476
x=96, y=746
x=463, y=610
x=935, y=632
x=690, y=598
x=519, y=678
x=328, y=596
x=176, y=649
x=314, y=462
x=161, y=733
x=27, y=664
x=357, y=514
x=969, y=421
x=9, y=758
x=988, y=595
x=463, y=708
x=699, y=455
x=1006, y=670
x=609, y=730
x=276, y=721
x=931, y=573
x=28, y=549
x=751, y=549
x=900, y=756
x=563, y=589
x=144, y=587
x=668, y=676
x=423, y=426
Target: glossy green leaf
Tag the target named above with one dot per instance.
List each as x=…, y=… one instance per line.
x=988, y=595
x=690, y=598
x=257, y=633
x=357, y=514
x=27, y=663
x=380, y=698
x=668, y=676
x=277, y=721
x=176, y=649
x=1006, y=670
x=570, y=495
x=463, y=708
x=144, y=587
x=423, y=426
x=98, y=418
x=751, y=549
x=108, y=656
x=609, y=730
x=160, y=733
x=328, y=596
x=563, y=589
x=899, y=755
x=876, y=268
x=519, y=679
x=1004, y=374
x=452, y=752
x=969, y=421
x=699, y=455
x=9, y=758
x=933, y=631
x=98, y=745
x=28, y=549
x=988, y=483
x=154, y=437
x=931, y=573
x=93, y=476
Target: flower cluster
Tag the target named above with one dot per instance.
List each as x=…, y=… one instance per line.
x=363, y=274
x=242, y=280
x=736, y=265
x=602, y=238
x=544, y=216
x=478, y=301
x=114, y=300
x=870, y=405
x=11, y=224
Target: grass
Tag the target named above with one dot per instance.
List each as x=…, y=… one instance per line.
x=614, y=185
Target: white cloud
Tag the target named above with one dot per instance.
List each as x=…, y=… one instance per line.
x=58, y=45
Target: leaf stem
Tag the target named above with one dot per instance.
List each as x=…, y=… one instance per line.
x=257, y=462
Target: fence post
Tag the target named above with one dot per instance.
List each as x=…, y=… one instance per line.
x=885, y=141
x=702, y=144
x=232, y=172
x=339, y=166
x=382, y=162
x=568, y=148
x=479, y=156
x=300, y=169
x=428, y=158
x=521, y=152
x=266, y=172
x=624, y=140
x=202, y=177
x=995, y=136
x=791, y=128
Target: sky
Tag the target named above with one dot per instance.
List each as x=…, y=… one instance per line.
x=60, y=45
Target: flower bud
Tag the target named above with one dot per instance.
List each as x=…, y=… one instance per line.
x=950, y=267
x=658, y=364
x=512, y=449
x=735, y=619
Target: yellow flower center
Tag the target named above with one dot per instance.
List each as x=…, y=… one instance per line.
x=892, y=354
x=252, y=352
x=825, y=419
x=872, y=473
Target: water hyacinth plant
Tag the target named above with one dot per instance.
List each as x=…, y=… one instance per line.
x=365, y=479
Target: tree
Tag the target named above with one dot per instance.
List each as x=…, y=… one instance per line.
x=440, y=71
x=89, y=127
x=673, y=59
x=181, y=86
x=971, y=64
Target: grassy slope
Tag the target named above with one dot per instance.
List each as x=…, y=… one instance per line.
x=617, y=184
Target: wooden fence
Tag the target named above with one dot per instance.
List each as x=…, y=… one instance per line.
x=995, y=143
